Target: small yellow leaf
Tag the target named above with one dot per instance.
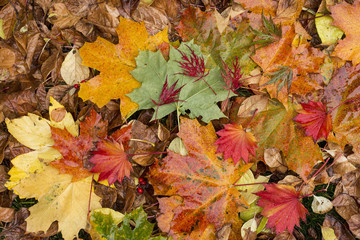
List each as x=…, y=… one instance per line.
x=32, y=131
x=247, y=191
x=328, y=233
x=71, y=69
x=60, y=118
x=328, y=33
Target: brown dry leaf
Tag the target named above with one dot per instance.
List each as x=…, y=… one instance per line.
x=144, y=140
x=155, y=20
x=354, y=225
x=350, y=184
x=288, y=11
x=170, y=7
x=8, y=15
x=346, y=206
x=18, y=104
x=52, y=65
x=3, y=178
x=4, y=139
x=251, y=104
x=105, y=17
x=284, y=236
x=7, y=58
x=61, y=17
x=273, y=159
x=7, y=214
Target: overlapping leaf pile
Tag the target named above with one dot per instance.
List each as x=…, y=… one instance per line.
x=244, y=111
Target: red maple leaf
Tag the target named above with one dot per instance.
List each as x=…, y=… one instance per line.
x=168, y=95
x=282, y=207
x=194, y=66
x=110, y=159
x=315, y=119
x=232, y=77
x=236, y=143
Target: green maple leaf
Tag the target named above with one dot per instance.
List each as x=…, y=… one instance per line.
x=106, y=226
x=195, y=98
x=283, y=77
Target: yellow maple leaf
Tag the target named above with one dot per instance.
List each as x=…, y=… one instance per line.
x=115, y=63
x=59, y=199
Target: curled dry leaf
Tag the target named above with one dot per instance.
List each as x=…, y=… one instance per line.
x=354, y=224
x=7, y=58
x=273, y=159
x=346, y=206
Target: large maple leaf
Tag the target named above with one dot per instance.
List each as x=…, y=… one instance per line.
x=236, y=143
x=195, y=98
x=59, y=199
x=275, y=128
x=282, y=207
x=315, y=119
x=201, y=183
x=110, y=159
x=346, y=16
x=286, y=67
x=115, y=63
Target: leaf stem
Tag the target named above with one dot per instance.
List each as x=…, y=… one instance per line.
x=249, y=184
x=349, y=100
x=310, y=194
x=141, y=140
x=134, y=154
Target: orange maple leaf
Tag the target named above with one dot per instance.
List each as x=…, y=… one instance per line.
x=298, y=61
x=74, y=150
x=115, y=63
x=346, y=17
x=110, y=159
x=282, y=206
x=236, y=143
x=201, y=181
x=315, y=119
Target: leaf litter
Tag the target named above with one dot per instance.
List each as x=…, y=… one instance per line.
x=191, y=120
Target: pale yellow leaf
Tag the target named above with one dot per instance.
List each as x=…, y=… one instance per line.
x=250, y=225
x=328, y=233
x=71, y=69
x=60, y=118
x=177, y=146
x=247, y=191
x=32, y=131
x=321, y=205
